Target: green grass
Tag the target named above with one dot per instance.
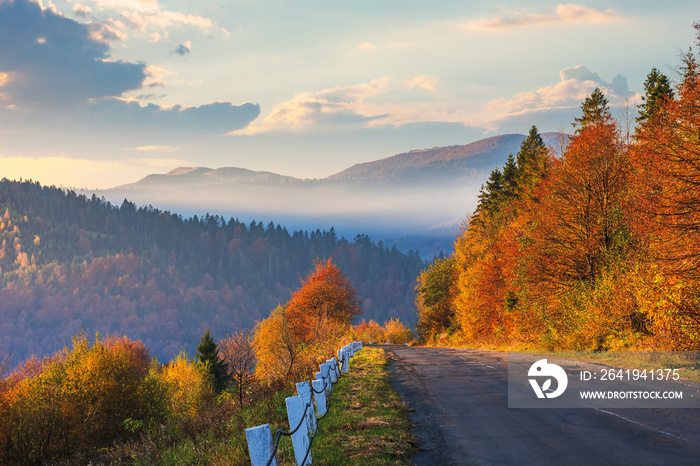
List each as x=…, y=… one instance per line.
x=367, y=422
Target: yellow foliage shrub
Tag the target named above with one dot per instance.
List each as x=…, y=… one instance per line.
x=187, y=386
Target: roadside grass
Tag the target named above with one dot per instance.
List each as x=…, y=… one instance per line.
x=367, y=422
x=687, y=362
x=215, y=437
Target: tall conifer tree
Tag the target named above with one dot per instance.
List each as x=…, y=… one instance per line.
x=657, y=88
x=595, y=109
x=208, y=353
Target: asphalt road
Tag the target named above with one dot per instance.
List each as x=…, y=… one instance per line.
x=461, y=414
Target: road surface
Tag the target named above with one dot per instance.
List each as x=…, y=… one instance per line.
x=459, y=398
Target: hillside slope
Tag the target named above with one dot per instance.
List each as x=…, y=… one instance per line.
x=422, y=165
x=68, y=262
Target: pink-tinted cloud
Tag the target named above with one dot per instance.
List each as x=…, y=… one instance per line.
x=569, y=13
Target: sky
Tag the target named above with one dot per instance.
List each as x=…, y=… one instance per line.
x=98, y=93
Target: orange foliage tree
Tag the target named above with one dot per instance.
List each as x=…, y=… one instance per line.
x=309, y=327
x=666, y=158
x=369, y=332
x=582, y=219
x=277, y=350
x=393, y=332
x=596, y=249
x=187, y=386
x=326, y=299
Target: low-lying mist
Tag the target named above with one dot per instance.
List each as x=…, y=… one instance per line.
x=426, y=212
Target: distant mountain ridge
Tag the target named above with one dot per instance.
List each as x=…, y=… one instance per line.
x=451, y=161
x=465, y=159
x=422, y=194
x=201, y=176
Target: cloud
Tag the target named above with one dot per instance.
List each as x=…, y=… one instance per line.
x=176, y=121
x=183, y=49
x=154, y=148
x=575, y=84
x=366, y=46
x=369, y=46
x=149, y=17
x=344, y=106
x=334, y=106
x=570, y=13
x=559, y=102
x=81, y=10
x=55, y=61
x=425, y=82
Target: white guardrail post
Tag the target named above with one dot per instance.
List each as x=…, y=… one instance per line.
x=304, y=391
x=320, y=397
x=301, y=413
x=300, y=439
x=260, y=445
x=325, y=374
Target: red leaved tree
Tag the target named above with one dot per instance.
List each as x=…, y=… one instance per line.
x=327, y=300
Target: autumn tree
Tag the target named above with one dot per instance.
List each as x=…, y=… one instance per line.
x=666, y=157
x=326, y=297
x=368, y=332
x=238, y=353
x=277, y=348
x=583, y=221
x=396, y=332
x=74, y=401
x=187, y=387
x=435, y=293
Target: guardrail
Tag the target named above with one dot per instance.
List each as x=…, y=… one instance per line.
x=301, y=413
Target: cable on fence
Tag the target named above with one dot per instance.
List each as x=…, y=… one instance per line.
x=324, y=386
x=328, y=408
x=281, y=432
x=335, y=367
x=308, y=450
x=318, y=419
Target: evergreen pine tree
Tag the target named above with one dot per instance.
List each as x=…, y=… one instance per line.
x=510, y=178
x=657, y=88
x=207, y=353
x=531, y=160
x=595, y=109
x=490, y=195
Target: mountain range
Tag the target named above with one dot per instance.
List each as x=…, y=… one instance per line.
x=415, y=200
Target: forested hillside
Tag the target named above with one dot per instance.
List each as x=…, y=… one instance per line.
x=596, y=249
x=69, y=262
